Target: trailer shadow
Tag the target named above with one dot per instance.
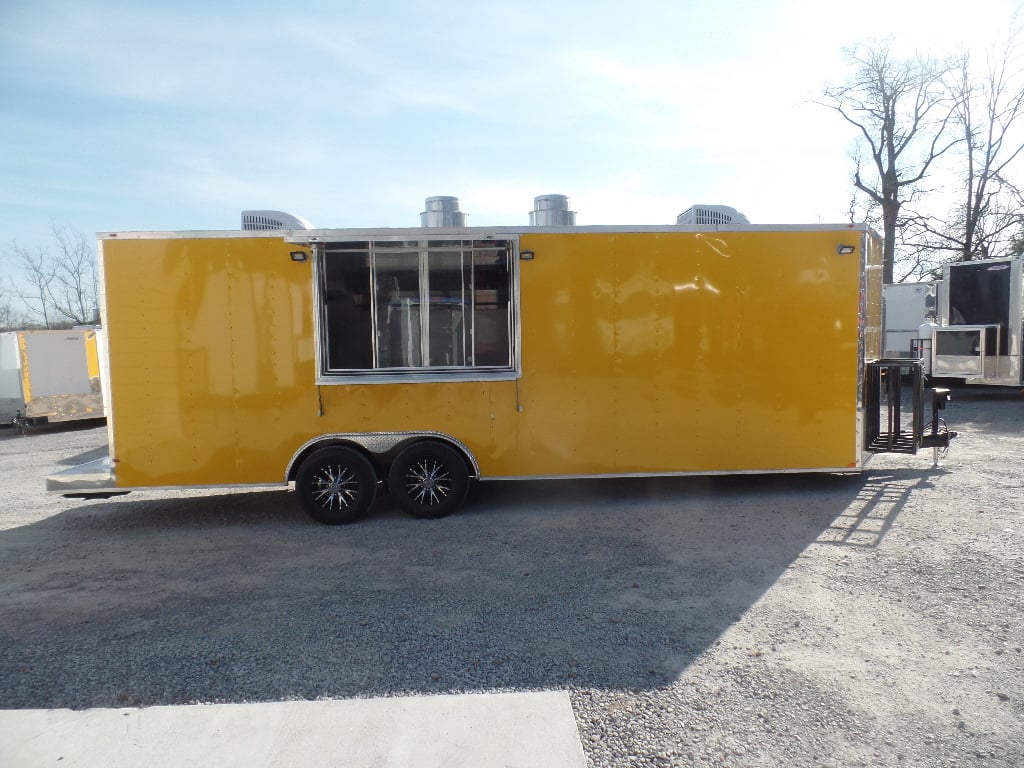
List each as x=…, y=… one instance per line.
x=616, y=584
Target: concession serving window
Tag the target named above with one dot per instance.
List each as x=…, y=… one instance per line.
x=400, y=308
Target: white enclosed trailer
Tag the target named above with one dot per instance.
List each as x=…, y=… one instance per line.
x=49, y=375
x=905, y=308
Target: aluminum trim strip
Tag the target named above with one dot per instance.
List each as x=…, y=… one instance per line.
x=715, y=473
x=417, y=376
x=304, y=236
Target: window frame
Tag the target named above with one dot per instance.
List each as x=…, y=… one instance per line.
x=392, y=375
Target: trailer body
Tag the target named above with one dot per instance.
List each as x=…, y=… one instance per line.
x=976, y=330
x=238, y=358
x=50, y=375
x=905, y=308
x=981, y=317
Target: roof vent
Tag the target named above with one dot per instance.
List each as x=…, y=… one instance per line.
x=261, y=220
x=443, y=211
x=551, y=211
x=711, y=215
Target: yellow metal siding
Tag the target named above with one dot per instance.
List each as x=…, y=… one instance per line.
x=211, y=358
x=873, y=297
x=641, y=352
x=688, y=352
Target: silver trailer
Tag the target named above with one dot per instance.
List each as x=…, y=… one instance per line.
x=975, y=331
x=980, y=323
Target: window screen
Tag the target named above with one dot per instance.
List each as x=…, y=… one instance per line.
x=430, y=305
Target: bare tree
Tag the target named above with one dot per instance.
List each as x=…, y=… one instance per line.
x=989, y=111
x=1017, y=245
x=903, y=113
x=37, y=277
x=10, y=320
x=916, y=260
x=75, y=286
x=59, y=288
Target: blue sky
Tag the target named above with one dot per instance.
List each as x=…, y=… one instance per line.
x=170, y=116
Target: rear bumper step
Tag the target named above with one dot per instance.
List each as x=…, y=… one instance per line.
x=91, y=478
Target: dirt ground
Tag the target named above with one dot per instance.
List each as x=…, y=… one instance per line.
x=873, y=619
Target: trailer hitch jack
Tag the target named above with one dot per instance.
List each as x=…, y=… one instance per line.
x=938, y=437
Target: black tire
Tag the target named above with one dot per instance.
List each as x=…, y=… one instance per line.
x=429, y=479
x=336, y=485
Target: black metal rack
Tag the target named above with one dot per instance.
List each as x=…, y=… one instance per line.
x=888, y=428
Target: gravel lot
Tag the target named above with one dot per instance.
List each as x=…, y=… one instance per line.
x=775, y=621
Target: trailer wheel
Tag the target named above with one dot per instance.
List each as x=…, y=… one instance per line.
x=429, y=479
x=336, y=485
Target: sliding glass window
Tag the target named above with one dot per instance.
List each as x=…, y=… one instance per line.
x=408, y=307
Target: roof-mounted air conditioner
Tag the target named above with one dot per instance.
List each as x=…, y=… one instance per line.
x=711, y=215
x=262, y=220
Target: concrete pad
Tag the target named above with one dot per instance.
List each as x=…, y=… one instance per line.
x=534, y=730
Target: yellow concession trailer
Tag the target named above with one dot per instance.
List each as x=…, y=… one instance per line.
x=416, y=360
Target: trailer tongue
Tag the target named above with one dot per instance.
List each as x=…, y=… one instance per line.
x=890, y=427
